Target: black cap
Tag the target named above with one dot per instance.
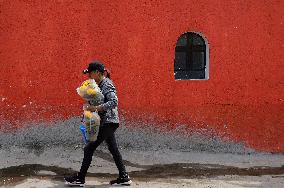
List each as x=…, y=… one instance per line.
x=93, y=66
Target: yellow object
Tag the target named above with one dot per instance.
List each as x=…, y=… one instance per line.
x=82, y=90
x=92, y=122
x=85, y=83
x=91, y=91
x=88, y=114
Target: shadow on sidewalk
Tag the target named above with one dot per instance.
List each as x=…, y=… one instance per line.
x=21, y=173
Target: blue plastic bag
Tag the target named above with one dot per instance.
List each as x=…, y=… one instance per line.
x=83, y=130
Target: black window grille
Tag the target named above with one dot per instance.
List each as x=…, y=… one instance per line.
x=190, y=57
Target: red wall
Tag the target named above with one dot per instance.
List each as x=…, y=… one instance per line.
x=45, y=46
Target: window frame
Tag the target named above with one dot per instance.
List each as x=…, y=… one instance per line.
x=189, y=48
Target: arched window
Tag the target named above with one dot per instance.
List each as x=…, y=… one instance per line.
x=191, y=57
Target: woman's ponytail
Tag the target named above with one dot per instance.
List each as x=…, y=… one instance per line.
x=107, y=73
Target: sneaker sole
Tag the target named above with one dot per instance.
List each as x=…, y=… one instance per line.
x=125, y=183
x=74, y=184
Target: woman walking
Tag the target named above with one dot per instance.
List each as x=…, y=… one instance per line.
x=109, y=123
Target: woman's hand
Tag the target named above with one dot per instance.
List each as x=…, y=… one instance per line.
x=91, y=108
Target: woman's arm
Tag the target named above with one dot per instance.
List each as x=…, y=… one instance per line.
x=111, y=102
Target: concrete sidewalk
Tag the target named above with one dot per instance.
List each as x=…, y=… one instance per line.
x=218, y=182
x=153, y=169
x=39, y=157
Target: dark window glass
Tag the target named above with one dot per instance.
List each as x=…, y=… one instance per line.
x=197, y=40
x=198, y=60
x=190, y=57
x=180, y=61
x=182, y=41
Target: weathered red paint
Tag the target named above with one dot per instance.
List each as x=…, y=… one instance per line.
x=44, y=46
